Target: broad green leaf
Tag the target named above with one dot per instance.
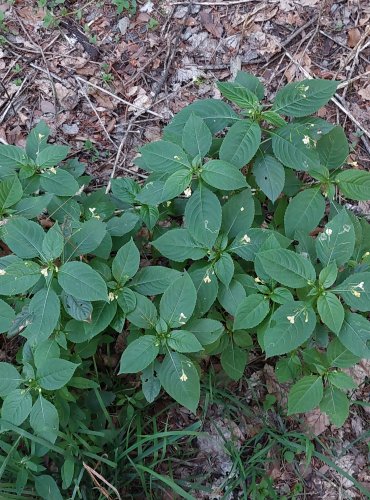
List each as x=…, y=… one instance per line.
x=178, y=301
x=10, y=379
x=241, y=143
x=281, y=295
x=328, y=275
x=178, y=245
x=331, y=311
x=184, y=341
x=355, y=334
x=139, y=354
x=78, y=309
x=337, y=242
x=163, y=156
x=354, y=184
x=304, y=97
x=153, y=280
x=341, y=380
x=206, y=285
x=47, y=488
x=60, y=182
x=251, y=311
x=23, y=237
x=305, y=394
x=288, y=369
x=33, y=206
x=7, y=316
x=293, y=149
x=118, y=226
x=53, y=243
x=239, y=94
x=53, y=374
x=145, y=314
x=61, y=209
x=203, y=216
x=180, y=379
x=10, y=192
x=45, y=310
x=287, y=267
x=44, y=419
x=37, y=139
x=17, y=406
x=290, y=326
x=151, y=385
x=86, y=238
x=149, y=216
x=80, y=280
x=336, y=405
x=333, y=148
x=273, y=118
x=207, y=331
x=248, y=243
x=238, y=213
x=102, y=315
x=196, y=137
x=304, y=212
x=125, y=189
x=230, y=297
x=176, y=184
x=233, y=361
x=51, y=156
x=19, y=277
x=339, y=356
x=12, y=157
x=126, y=262
x=46, y=349
x=270, y=176
x=224, y=268
x=223, y=175
x=355, y=291
x=250, y=82
x=152, y=192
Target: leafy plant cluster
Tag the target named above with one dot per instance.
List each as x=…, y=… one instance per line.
x=247, y=249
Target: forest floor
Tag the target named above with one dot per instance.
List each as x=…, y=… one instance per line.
x=107, y=82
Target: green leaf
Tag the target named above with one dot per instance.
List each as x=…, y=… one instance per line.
x=336, y=405
x=293, y=149
x=304, y=212
x=341, y=380
x=17, y=406
x=19, y=277
x=10, y=379
x=178, y=301
x=80, y=280
x=355, y=291
x=37, y=139
x=102, y=316
x=12, y=156
x=251, y=311
x=337, y=242
x=126, y=262
x=328, y=275
x=44, y=419
x=85, y=238
x=45, y=310
x=118, y=226
x=125, y=189
x=223, y=175
x=127, y=300
x=196, y=137
x=152, y=192
x=151, y=385
x=290, y=326
x=46, y=349
x=153, y=280
x=203, y=216
x=250, y=82
x=241, y=143
x=305, y=394
x=33, y=206
x=53, y=243
x=180, y=379
x=178, y=245
x=23, y=237
x=331, y=311
x=184, y=341
x=7, y=316
x=355, y=334
x=206, y=285
x=304, y=97
x=233, y=361
x=207, y=331
x=145, y=314
x=176, y=184
x=238, y=213
x=10, y=192
x=164, y=156
x=239, y=94
x=139, y=354
x=231, y=296
x=339, y=356
x=224, y=268
x=274, y=118
x=53, y=374
x=270, y=176
x=354, y=184
x=51, y=156
x=78, y=309
x=281, y=295
x=333, y=148
x=286, y=267
x=59, y=182
x=47, y=488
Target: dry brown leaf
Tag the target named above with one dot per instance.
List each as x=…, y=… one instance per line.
x=315, y=422
x=354, y=36
x=265, y=15
x=211, y=24
x=365, y=93
x=280, y=391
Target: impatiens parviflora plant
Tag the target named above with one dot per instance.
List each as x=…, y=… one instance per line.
x=248, y=250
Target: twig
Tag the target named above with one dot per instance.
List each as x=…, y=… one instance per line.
x=351, y=80
x=94, y=474
x=14, y=96
x=211, y=4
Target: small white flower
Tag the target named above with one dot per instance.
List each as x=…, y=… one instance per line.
x=356, y=293
x=258, y=280
x=111, y=296
x=2, y=272
x=291, y=319
x=187, y=192
x=41, y=136
x=169, y=203
x=92, y=210
x=53, y=170
x=81, y=190
x=246, y=239
x=207, y=279
x=328, y=231
x=306, y=140
x=242, y=209
x=44, y=272
x=360, y=285
x=176, y=157
x=183, y=377
x=181, y=317
x=306, y=88
x=366, y=254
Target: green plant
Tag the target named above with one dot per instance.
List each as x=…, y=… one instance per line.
x=121, y=5
x=244, y=254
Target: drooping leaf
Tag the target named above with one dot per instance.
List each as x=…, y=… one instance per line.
x=17, y=406
x=126, y=262
x=241, y=143
x=336, y=405
x=354, y=184
x=250, y=82
x=178, y=301
x=233, y=361
x=37, y=139
x=45, y=310
x=305, y=394
x=196, y=137
x=139, y=354
x=238, y=213
x=10, y=192
x=44, y=419
x=304, y=212
x=10, y=379
x=331, y=311
x=7, y=316
x=145, y=314
x=78, y=309
x=270, y=175
x=355, y=334
x=333, y=148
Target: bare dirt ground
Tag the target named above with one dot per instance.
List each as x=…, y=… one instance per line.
x=106, y=83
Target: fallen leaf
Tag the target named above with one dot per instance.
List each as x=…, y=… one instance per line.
x=211, y=24
x=315, y=421
x=354, y=36
x=365, y=93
